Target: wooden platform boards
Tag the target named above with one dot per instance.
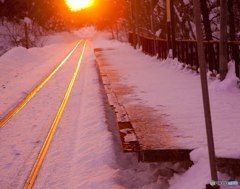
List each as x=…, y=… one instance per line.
x=129, y=139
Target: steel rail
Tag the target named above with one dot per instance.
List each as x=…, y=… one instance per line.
x=37, y=166
x=20, y=105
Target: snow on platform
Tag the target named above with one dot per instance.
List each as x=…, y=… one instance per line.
x=136, y=122
x=164, y=104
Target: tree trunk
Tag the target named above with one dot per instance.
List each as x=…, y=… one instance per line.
x=137, y=6
x=223, y=56
x=173, y=28
x=152, y=27
x=208, y=33
x=206, y=21
x=26, y=35
x=232, y=36
x=133, y=23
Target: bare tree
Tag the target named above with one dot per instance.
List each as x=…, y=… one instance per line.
x=232, y=34
x=223, y=56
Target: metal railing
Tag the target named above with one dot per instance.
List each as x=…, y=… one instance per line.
x=186, y=51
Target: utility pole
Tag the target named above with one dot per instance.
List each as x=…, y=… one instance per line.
x=205, y=93
x=223, y=56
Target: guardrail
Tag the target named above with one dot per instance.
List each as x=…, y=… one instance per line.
x=186, y=51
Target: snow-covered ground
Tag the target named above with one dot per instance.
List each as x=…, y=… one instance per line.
x=175, y=93
x=85, y=152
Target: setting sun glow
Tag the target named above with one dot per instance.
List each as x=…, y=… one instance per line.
x=76, y=5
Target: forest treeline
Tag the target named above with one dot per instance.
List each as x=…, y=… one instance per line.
x=150, y=16
x=143, y=17
x=220, y=26
x=44, y=16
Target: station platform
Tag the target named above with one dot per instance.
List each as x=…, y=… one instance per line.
x=140, y=127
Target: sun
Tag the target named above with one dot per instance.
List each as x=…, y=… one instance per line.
x=76, y=5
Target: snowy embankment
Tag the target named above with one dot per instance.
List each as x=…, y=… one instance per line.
x=92, y=158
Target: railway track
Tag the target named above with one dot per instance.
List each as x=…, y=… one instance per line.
x=20, y=105
x=37, y=166
x=49, y=137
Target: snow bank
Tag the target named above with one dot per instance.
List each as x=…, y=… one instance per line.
x=87, y=32
x=58, y=38
x=176, y=92
x=229, y=83
x=63, y=37
x=15, y=53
